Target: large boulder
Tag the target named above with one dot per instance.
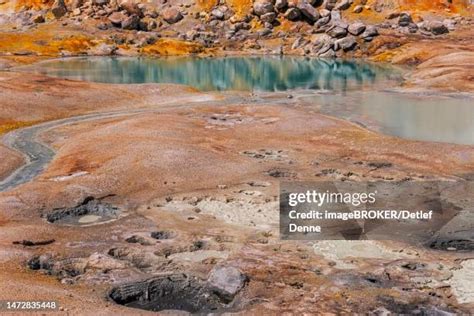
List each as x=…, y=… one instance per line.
x=262, y=7
x=171, y=15
x=226, y=281
x=307, y=10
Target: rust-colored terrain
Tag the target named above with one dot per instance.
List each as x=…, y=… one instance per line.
x=149, y=180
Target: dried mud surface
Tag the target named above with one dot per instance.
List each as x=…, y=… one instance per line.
x=189, y=184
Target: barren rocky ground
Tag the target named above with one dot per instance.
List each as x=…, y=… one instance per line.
x=159, y=188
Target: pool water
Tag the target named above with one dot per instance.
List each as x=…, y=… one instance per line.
x=358, y=91
x=226, y=73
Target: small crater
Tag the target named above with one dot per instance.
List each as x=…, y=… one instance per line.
x=163, y=234
x=266, y=154
x=170, y=292
x=90, y=210
x=280, y=173
x=452, y=245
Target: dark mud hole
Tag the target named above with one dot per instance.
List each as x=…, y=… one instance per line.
x=172, y=292
x=89, y=206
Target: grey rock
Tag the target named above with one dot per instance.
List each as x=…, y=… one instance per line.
x=436, y=27
x=322, y=21
x=347, y=43
x=308, y=10
x=281, y=4
x=337, y=32
x=404, y=19
x=268, y=17
x=218, y=14
x=262, y=7
x=369, y=33
x=343, y=5
x=329, y=54
x=227, y=281
x=330, y=4
x=335, y=15
x=356, y=28
x=293, y=14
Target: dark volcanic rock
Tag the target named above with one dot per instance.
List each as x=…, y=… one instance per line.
x=59, y=9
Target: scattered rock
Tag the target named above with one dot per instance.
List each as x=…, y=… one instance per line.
x=343, y=5
x=131, y=23
x=308, y=10
x=356, y=28
x=369, y=33
x=227, y=281
x=262, y=7
x=337, y=32
x=347, y=43
x=281, y=4
x=404, y=19
x=172, y=15
x=436, y=27
x=117, y=18
x=292, y=14
x=39, y=18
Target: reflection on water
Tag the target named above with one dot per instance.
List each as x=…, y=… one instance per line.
x=231, y=73
x=429, y=118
